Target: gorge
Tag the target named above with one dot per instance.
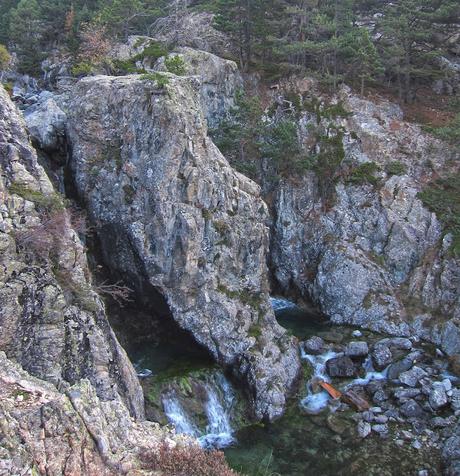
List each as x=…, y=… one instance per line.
x=157, y=295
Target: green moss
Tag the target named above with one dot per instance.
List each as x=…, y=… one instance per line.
x=51, y=202
x=206, y=214
x=130, y=193
x=252, y=299
x=364, y=174
x=176, y=65
x=443, y=198
x=396, y=168
x=8, y=87
x=221, y=227
x=368, y=301
x=255, y=331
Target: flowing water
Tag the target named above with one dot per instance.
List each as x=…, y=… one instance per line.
x=311, y=439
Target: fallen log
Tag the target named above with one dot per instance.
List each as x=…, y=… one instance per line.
x=355, y=400
x=334, y=393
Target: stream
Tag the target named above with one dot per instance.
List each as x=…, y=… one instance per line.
x=312, y=438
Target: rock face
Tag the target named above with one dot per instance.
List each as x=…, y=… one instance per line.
x=372, y=256
x=51, y=322
x=220, y=81
x=74, y=434
x=173, y=214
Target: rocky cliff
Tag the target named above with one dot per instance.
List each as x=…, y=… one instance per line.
x=173, y=214
x=52, y=322
x=373, y=255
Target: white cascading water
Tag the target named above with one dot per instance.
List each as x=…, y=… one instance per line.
x=178, y=417
x=315, y=402
x=280, y=303
x=218, y=432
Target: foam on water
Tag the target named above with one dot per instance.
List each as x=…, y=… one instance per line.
x=218, y=407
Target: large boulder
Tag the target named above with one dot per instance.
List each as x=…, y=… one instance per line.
x=51, y=321
x=171, y=213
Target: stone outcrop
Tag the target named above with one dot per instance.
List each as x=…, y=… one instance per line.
x=51, y=321
x=173, y=214
x=373, y=256
x=74, y=433
x=220, y=81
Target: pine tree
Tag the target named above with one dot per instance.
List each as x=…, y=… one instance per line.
x=26, y=28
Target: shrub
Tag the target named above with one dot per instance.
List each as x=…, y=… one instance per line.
x=158, y=78
x=187, y=461
x=5, y=57
x=396, y=168
x=443, y=198
x=82, y=69
x=176, y=65
x=153, y=51
x=126, y=67
x=364, y=173
x=450, y=132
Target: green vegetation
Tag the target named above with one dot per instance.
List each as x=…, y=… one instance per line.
x=160, y=79
x=126, y=67
x=450, y=132
x=396, y=168
x=443, y=198
x=364, y=174
x=82, y=69
x=51, y=203
x=5, y=57
x=175, y=65
x=252, y=299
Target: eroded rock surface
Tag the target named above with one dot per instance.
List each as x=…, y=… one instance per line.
x=51, y=321
x=74, y=433
x=171, y=212
x=372, y=255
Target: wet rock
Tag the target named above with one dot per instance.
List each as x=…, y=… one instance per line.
x=364, y=429
x=411, y=409
x=381, y=356
x=396, y=368
x=412, y=377
x=438, y=397
x=451, y=449
x=341, y=367
x=356, y=349
x=357, y=333
x=314, y=345
x=380, y=396
x=381, y=429
x=455, y=399
x=404, y=394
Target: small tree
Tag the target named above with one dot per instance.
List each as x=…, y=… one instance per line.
x=5, y=57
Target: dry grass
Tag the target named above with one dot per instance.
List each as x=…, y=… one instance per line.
x=187, y=461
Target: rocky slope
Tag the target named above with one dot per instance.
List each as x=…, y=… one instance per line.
x=52, y=323
x=372, y=256
x=71, y=408
x=173, y=214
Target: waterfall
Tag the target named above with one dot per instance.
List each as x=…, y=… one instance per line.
x=280, y=303
x=178, y=417
x=315, y=402
x=218, y=406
